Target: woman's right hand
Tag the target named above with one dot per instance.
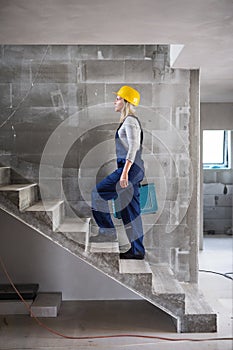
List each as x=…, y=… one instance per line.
x=124, y=180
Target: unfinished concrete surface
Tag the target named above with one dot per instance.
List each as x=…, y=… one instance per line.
x=57, y=129
x=57, y=117
x=202, y=30
x=154, y=282
x=90, y=318
x=46, y=305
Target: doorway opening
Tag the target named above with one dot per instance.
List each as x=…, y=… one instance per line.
x=217, y=158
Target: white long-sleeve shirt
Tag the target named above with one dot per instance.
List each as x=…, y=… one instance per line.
x=130, y=136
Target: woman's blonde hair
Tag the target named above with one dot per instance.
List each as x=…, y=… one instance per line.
x=126, y=110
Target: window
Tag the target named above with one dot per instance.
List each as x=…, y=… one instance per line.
x=216, y=148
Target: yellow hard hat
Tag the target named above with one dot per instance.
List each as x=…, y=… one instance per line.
x=129, y=94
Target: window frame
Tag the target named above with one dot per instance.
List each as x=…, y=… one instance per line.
x=226, y=153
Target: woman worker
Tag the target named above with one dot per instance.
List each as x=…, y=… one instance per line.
x=123, y=183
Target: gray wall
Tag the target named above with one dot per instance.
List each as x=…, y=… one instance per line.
x=57, y=110
x=217, y=116
x=217, y=206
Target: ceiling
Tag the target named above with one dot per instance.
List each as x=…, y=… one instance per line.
x=204, y=27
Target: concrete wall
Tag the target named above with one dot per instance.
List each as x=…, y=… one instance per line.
x=217, y=116
x=57, y=120
x=217, y=206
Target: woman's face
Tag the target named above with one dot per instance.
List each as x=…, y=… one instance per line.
x=119, y=104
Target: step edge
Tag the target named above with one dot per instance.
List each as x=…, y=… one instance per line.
x=51, y=208
x=11, y=187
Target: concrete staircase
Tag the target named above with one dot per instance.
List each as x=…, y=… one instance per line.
x=155, y=283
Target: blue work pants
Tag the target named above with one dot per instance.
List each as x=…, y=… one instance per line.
x=108, y=189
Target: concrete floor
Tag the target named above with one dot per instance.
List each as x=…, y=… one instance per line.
x=130, y=317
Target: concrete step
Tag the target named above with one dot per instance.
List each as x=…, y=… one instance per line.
x=76, y=230
x=198, y=317
x=82, y=208
x=134, y=266
x=46, y=305
x=195, y=302
x=164, y=281
x=22, y=195
x=136, y=275
x=76, y=224
x=167, y=291
x=14, y=307
x=51, y=212
x=107, y=247
x=5, y=176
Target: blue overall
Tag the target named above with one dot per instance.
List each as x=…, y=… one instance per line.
x=109, y=188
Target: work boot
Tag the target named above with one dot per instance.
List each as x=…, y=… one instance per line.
x=130, y=255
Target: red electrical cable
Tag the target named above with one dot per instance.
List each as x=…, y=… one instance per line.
x=41, y=324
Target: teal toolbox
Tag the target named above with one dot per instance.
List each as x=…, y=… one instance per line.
x=148, y=201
